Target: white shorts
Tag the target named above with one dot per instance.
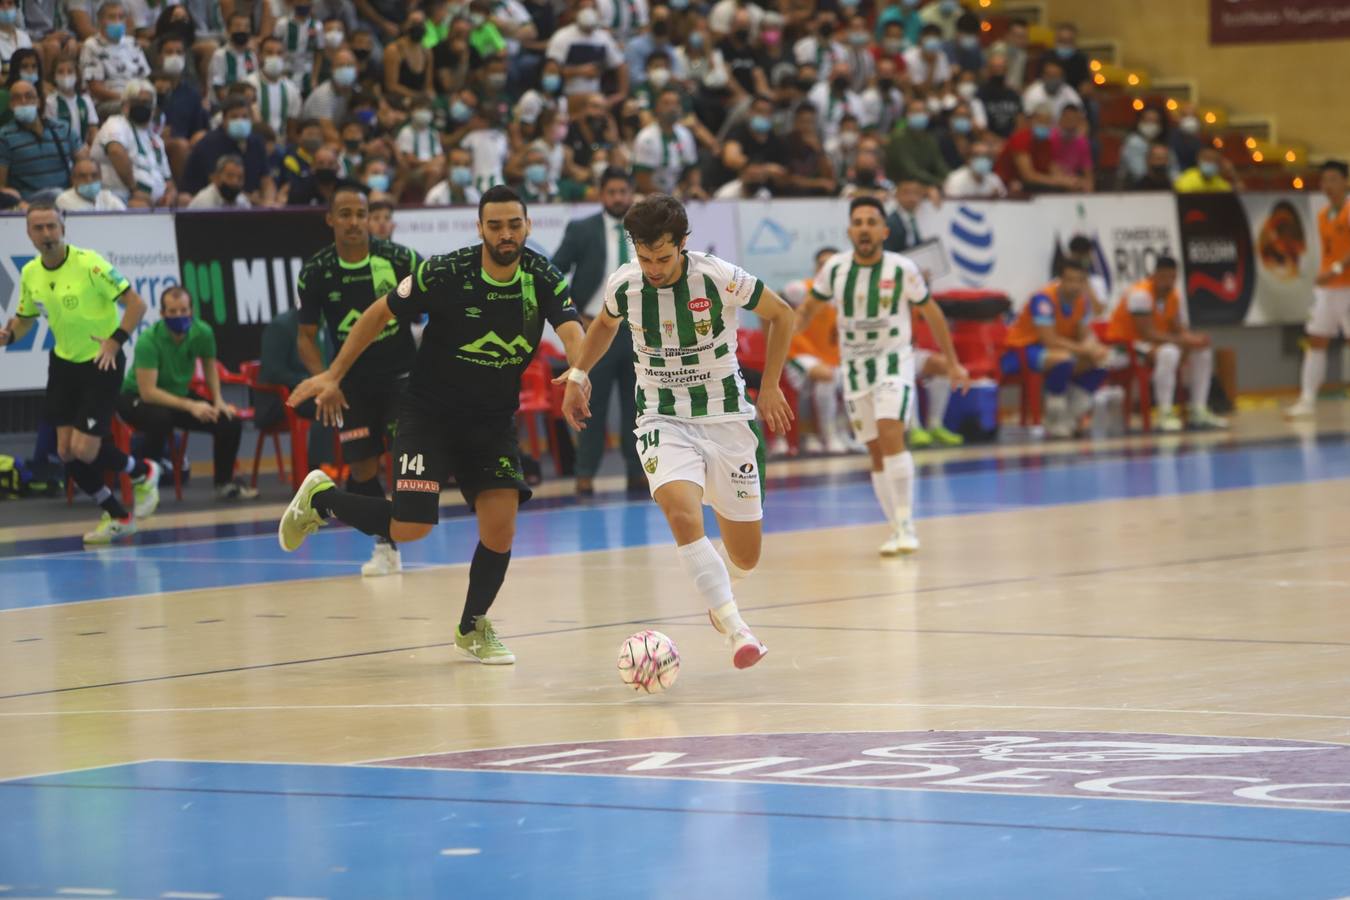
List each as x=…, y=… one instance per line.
x=724, y=458
x=798, y=370
x=1330, y=313
x=892, y=397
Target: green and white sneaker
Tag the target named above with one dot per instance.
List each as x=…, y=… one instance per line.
x=300, y=520
x=483, y=644
x=146, y=491
x=919, y=438
x=110, y=529
x=1205, y=419
x=946, y=438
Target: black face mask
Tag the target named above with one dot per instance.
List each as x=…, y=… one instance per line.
x=867, y=177
x=417, y=32
x=598, y=123
x=140, y=113
x=1158, y=171
x=825, y=31
x=352, y=145
x=996, y=79
x=660, y=29
x=325, y=177
x=632, y=121
x=163, y=100
x=362, y=54
x=839, y=84
x=228, y=192
x=239, y=38
x=741, y=34
x=886, y=84
x=805, y=85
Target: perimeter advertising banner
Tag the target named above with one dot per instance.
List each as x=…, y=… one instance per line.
x=1271, y=21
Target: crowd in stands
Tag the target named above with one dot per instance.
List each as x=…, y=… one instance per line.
x=206, y=104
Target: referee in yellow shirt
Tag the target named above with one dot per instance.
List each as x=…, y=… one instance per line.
x=79, y=292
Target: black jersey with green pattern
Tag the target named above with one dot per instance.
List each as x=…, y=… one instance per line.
x=481, y=333
x=339, y=292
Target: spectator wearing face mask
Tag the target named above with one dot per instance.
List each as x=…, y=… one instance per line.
x=623, y=18
x=942, y=15
x=890, y=44
x=956, y=135
x=1014, y=49
x=1051, y=89
x=111, y=57
x=1134, y=150
x=408, y=68
x=329, y=101
x=656, y=39
x=861, y=62
x=821, y=48
x=279, y=102
x=842, y=148
x=865, y=178
x=535, y=184
x=1205, y=177
x=967, y=91
x=594, y=129
x=185, y=116
x=810, y=172
x=1185, y=140
x=487, y=141
x=297, y=163
x=546, y=93
x=379, y=177
x=1158, y=174
x=752, y=145
x=35, y=151
x=912, y=154
x=86, y=191
x=665, y=149
x=926, y=62
x=134, y=163
x=1066, y=52
x=723, y=15
x=237, y=60
x=333, y=37
x=69, y=104
x=748, y=63
x=883, y=103
x=1027, y=161
x=420, y=154
x=301, y=37
x=976, y=180
x=1002, y=104
x=587, y=52
x=318, y=187
x=964, y=51
x=457, y=189
x=1070, y=151
x=12, y=37
x=836, y=100
x=234, y=137
x=226, y=189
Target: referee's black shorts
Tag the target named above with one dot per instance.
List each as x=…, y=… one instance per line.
x=83, y=396
x=431, y=443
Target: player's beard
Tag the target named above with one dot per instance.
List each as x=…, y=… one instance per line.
x=504, y=258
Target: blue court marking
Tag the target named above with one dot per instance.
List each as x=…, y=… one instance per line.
x=256, y=830
x=229, y=562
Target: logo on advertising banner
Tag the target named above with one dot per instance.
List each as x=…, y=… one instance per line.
x=972, y=248
x=1216, y=249
x=1270, y=21
x=1230, y=771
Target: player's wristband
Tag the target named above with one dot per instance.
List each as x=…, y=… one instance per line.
x=120, y=336
x=1337, y=268
x=577, y=376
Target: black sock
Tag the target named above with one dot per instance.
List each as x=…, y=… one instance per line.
x=368, y=514
x=90, y=480
x=109, y=457
x=369, y=488
x=486, y=574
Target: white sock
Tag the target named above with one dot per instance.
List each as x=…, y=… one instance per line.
x=881, y=486
x=825, y=396
x=900, y=474
x=1201, y=365
x=1314, y=373
x=939, y=393
x=1165, y=363
x=706, y=569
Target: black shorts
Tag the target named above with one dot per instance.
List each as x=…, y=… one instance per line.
x=372, y=410
x=431, y=444
x=82, y=395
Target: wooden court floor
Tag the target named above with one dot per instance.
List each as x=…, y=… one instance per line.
x=1183, y=587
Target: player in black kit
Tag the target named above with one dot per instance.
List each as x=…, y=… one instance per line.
x=336, y=286
x=486, y=306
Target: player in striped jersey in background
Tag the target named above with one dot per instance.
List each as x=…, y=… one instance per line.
x=696, y=430
x=873, y=290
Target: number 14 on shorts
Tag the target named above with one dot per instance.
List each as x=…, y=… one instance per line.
x=408, y=464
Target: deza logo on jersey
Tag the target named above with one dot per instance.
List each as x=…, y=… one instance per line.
x=698, y=305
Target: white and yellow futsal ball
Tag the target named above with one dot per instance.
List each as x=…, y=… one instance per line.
x=649, y=661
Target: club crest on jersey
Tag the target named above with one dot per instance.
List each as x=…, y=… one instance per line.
x=669, y=328
x=405, y=287
x=700, y=304
x=703, y=326
x=650, y=465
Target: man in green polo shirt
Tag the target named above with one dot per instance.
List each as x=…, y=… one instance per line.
x=157, y=396
x=79, y=292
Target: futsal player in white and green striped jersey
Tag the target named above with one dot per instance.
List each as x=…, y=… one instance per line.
x=696, y=430
x=873, y=290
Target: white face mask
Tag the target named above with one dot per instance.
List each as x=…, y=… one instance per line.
x=1190, y=124
x=587, y=19
x=967, y=89
x=66, y=83
x=173, y=64
x=274, y=66
x=1149, y=129
x=333, y=39
x=659, y=78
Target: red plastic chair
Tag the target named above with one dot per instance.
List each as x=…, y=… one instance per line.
x=752, y=353
x=538, y=397
x=1135, y=376
x=290, y=424
x=120, y=433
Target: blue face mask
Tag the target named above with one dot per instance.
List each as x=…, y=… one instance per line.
x=1209, y=169
x=1041, y=132
x=679, y=4
x=9, y=16
x=696, y=40
x=982, y=165
x=239, y=129
x=551, y=82
x=761, y=124
x=969, y=41
x=25, y=115
x=178, y=324
x=918, y=121
x=460, y=111
x=961, y=125
x=461, y=176
x=366, y=117
x=89, y=190
x=536, y=173
x=378, y=181
x=1063, y=52
x=932, y=44
x=948, y=7
x=116, y=31
x=30, y=77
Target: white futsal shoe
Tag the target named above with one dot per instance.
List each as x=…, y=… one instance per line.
x=902, y=542
x=385, y=560
x=746, y=649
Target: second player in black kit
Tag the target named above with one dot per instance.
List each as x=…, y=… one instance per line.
x=486, y=307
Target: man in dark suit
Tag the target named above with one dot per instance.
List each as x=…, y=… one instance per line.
x=592, y=249
x=904, y=222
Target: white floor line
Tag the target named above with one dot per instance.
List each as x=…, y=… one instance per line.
x=188, y=895
x=568, y=704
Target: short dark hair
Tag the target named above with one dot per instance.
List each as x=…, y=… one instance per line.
x=41, y=205
x=1073, y=264
x=1166, y=261
x=655, y=217
x=1080, y=244
x=380, y=205
x=347, y=186
x=858, y=202
x=930, y=29
x=1336, y=165
x=308, y=123
x=614, y=173
x=233, y=103
x=500, y=193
